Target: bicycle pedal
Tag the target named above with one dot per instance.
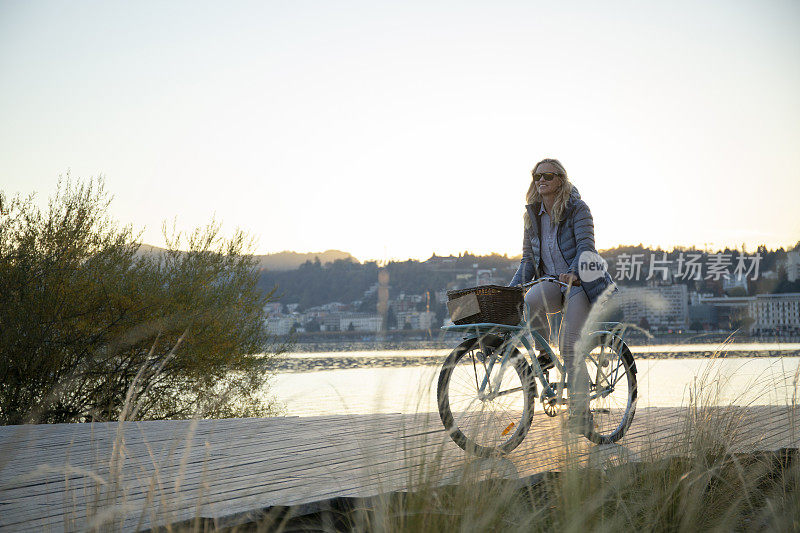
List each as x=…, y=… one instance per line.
x=548, y=394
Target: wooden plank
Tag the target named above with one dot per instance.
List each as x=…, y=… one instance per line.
x=305, y=460
x=282, y=461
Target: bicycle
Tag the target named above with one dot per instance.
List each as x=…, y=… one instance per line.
x=487, y=409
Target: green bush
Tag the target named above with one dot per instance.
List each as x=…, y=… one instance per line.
x=94, y=328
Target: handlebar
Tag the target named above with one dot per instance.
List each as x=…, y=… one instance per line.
x=552, y=279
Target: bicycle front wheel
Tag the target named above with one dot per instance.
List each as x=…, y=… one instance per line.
x=492, y=419
x=613, y=389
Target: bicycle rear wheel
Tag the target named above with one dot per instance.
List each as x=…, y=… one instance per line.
x=612, y=388
x=495, y=421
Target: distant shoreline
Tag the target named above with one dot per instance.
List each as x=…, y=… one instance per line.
x=345, y=362
x=452, y=340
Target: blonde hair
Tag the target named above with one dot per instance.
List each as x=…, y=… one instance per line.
x=562, y=196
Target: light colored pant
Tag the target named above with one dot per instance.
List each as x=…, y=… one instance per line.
x=545, y=299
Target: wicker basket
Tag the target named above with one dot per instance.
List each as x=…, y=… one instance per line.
x=487, y=303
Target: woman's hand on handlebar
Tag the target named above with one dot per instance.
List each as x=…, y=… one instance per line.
x=569, y=279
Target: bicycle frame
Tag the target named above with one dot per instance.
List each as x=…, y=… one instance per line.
x=511, y=335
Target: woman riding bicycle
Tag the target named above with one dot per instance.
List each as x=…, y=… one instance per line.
x=558, y=229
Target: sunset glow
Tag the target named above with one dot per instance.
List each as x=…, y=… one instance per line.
x=397, y=131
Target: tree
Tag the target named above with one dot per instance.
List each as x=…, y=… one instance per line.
x=92, y=328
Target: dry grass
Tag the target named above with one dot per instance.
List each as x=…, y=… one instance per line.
x=708, y=477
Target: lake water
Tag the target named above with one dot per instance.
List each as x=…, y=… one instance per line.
x=636, y=349
x=411, y=389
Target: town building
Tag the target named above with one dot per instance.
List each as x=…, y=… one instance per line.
x=330, y=322
x=280, y=324
x=769, y=274
x=793, y=265
x=775, y=313
x=359, y=322
x=734, y=282
x=441, y=297
x=416, y=320
x=703, y=317
x=273, y=308
x=729, y=311
x=659, y=307
x=333, y=307
x=484, y=277
x=372, y=290
x=406, y=302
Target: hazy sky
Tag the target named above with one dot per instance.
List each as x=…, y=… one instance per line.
x=393, y=130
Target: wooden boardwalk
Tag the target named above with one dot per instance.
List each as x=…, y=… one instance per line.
x=73, y=476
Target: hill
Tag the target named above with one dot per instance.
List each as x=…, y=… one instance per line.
x=280, y=261
x=292, y=260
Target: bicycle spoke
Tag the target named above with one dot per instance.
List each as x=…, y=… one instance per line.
x=509, y=391
x=491, y=419
x=614, y=388
x=475, y=369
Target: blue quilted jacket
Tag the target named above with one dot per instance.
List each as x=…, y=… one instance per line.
x=575, y=234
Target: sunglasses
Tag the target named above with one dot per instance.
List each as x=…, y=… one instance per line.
x=548, y=176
